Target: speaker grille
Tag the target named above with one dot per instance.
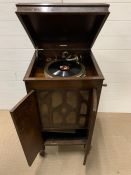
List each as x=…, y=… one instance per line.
x=63, y=108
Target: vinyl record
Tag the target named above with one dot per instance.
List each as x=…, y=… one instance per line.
x=64, y=68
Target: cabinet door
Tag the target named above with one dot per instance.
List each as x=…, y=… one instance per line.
x=25, y=116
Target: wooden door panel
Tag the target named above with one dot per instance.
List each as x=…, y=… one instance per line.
x=26, y=120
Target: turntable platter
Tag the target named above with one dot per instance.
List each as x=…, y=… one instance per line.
x=64, y=69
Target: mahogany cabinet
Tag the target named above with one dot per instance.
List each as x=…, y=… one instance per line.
x=59, y=111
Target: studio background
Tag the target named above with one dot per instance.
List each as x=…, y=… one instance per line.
x=112, y=51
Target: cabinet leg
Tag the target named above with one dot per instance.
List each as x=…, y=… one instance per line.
x=87, y=150
x=42, y=152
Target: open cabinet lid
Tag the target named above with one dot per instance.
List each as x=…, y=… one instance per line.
x=62, y=25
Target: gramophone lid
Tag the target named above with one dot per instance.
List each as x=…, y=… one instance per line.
x=62, y=25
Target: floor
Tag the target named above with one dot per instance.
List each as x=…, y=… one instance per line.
x=110, y=153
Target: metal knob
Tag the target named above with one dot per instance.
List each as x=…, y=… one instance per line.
x=104, y=84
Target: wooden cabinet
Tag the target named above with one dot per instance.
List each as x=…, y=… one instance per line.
x=59, y=111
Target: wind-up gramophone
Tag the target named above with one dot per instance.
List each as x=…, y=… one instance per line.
x=63, y=80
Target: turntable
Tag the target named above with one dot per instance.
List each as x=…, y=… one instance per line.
x=66, y=67
x=63, y=80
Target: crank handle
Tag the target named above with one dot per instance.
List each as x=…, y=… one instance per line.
x=104, y=84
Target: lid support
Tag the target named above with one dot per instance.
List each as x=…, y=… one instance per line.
x=37, y=52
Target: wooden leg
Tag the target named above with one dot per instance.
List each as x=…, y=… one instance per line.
x=87, y=150
x=91, y=122
x=42, y=152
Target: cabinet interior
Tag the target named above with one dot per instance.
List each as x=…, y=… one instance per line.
x=76, y=137
x=40, y=60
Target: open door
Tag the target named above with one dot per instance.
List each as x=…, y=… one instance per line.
x=25, y=116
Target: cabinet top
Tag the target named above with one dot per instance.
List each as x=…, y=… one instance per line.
x=64, y=4
x=62, y=25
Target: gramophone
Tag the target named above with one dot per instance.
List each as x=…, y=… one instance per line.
x=63, y=80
